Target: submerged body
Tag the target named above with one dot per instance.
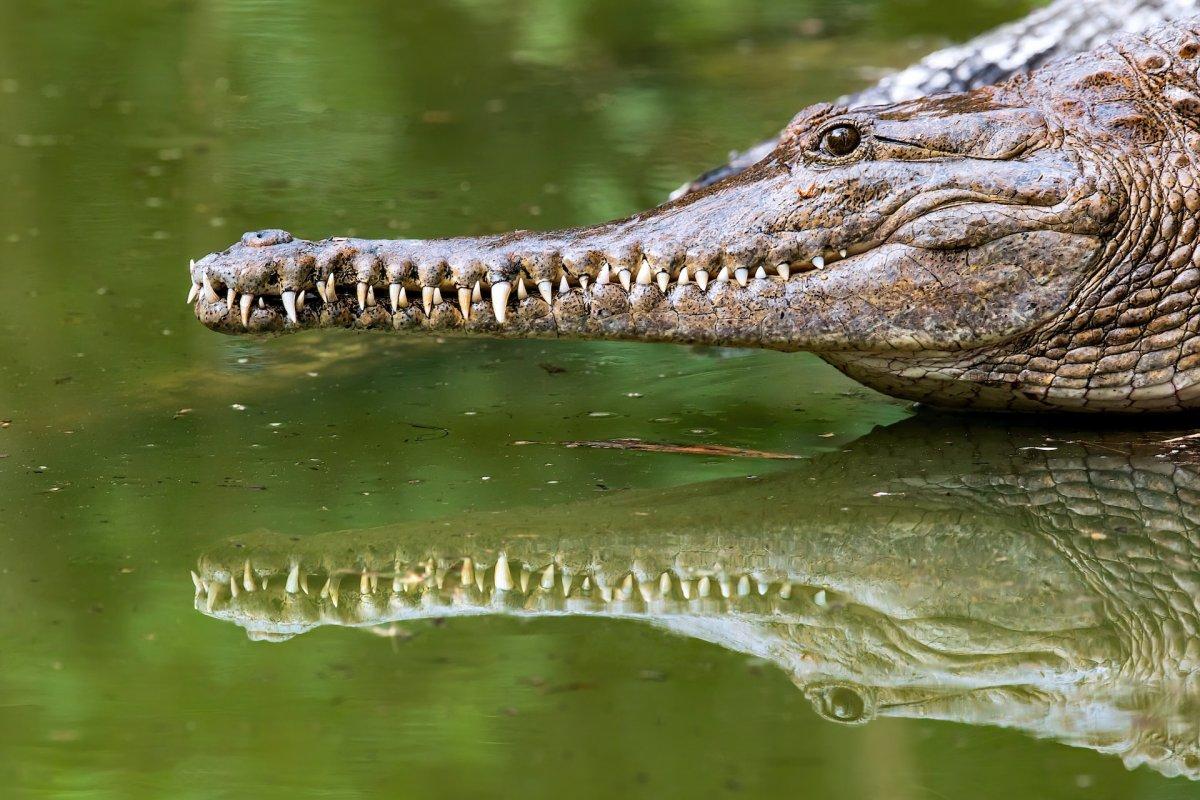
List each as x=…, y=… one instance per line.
x=1026, y=246
x=993, y=581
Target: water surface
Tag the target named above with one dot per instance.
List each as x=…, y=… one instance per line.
x=136, y=446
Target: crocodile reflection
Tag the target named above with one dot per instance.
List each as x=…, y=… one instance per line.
x=936, y=569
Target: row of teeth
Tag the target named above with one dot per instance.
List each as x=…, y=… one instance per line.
x=501, y=579
x=501, y=292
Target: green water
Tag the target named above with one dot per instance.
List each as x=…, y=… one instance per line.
x=135, y=136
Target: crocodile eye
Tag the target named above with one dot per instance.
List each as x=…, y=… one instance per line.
x=840, y=704
x=840, y=140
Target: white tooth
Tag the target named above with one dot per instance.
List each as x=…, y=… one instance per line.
x=193, y=293
x=704, y=587
x=524, y=580
x=262, y=303
x=685, y=588
x=437, y=296
x=230, y=298
x=819, y=598
x=302, y=299
x=289, y=305
x=468, y=572
x=477, y=293
x=702, y=279
x=684, y=277
x=247, y=302
x=364, y=583
x=583, y=282
x=785, y=591
x=547, y=580
x=522, y=292
x=263, y=584
x=763, y=586
x=743, y=587
x=760, y=275
x=664, y=278
x=818, y=262
x=199, y=584
x=723, y=275
x=362, y=295
x=247, y=577
x=664, y=584
x=213, y=588
x=209, y=292
x=842, y=253
x=371, y=297
x=784, y=271
x=563, y=286
x=403, y=301
x=330, y=290
x=565, y=580
x=394, y=296
x=546, y=288
x=605, y=275
x=624, y=277
x=464, y=302
x=500, y=300
x=321, y=291
x=742, y=275
x=644, y=276
x=234, y=591
x=427, y=299
x=293, y=579
x=504, y=578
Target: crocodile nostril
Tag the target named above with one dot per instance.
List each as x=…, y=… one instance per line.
x=266, y=238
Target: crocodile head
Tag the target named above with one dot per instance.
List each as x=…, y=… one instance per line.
x=1022, y=246
x=1053, y=594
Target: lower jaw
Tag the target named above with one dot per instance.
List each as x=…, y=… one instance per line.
x=731, y=310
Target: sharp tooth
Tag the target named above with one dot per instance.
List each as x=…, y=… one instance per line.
x=468, y=572
x=819, y=598
x=247, y=577
x=199, y=584
x=522, y=292
x=583, y=282
x=464, y=302
x=500, y=300
x=605, y=276
x=841, y=253
x=818, y=262
x=230, y=298
x=723, y=275
x=262, y=303
x=289, y=305
x=263, y=584
x=370, y=296
x=760, y=275
x=563, y=286
x=330, y=289
x=193, y=293
x=684, y=277
x=664, y=278
x=546, y=288
x=624, y=277
x=644, y=276
x=302, y=299
x=702, y=279
x=403, y=301
x=504, y=578
x=427, y=299
x=477, y=293
x=247, y=302
x=394, y=296
x=209, y=292
x=362, y=295
x=437, y=296
x=784, y=271
x=293, y=579
x=742, y=275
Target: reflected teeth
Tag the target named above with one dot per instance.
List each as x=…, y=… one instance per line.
x=247, y=577
x=289, y=305
x=293, y=580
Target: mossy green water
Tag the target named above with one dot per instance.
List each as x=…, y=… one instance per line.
x=134, y=136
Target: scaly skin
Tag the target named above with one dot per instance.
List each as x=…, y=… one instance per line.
x=1027, y=246
x=1052, y=589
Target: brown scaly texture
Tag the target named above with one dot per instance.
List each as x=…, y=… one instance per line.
x=1026, y=246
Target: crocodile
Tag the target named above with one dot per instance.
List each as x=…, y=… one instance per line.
x=1022, y=246
x=934, y=569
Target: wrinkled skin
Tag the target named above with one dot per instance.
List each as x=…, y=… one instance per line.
x=1026, y=246
x=998, y=580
